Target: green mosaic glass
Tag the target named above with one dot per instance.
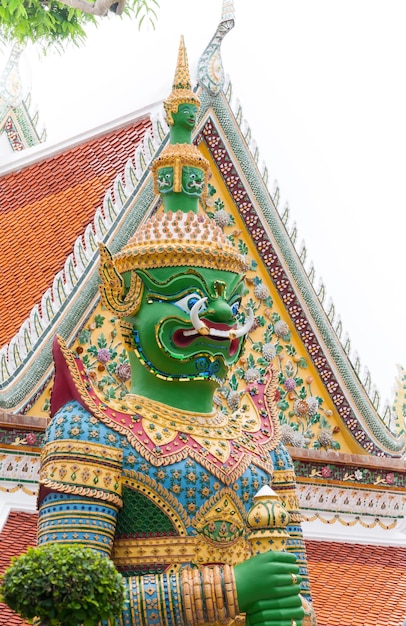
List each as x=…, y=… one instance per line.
x=141, y=517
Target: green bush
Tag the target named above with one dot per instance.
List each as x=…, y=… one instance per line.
x=63, y=585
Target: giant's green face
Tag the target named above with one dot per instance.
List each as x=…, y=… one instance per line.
x=168, y=343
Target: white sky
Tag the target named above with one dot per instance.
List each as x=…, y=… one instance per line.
x=322, y=85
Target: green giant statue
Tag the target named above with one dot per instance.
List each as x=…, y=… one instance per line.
x=164, y=482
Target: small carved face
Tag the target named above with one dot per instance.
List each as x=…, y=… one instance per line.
x=186, y=116
x=165, y=179
x=192, y=181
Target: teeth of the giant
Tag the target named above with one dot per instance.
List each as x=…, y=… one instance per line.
x=194, y=314
x=214, y=332
x=202, y=329
x=189, y=333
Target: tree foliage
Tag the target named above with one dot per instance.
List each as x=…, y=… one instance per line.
x=50, y=22
x=63, y=585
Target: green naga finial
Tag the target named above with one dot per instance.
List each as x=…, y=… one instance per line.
x=181, y=172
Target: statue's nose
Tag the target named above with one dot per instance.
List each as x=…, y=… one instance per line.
x=220, y=311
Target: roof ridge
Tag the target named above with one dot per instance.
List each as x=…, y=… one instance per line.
x=43, y=151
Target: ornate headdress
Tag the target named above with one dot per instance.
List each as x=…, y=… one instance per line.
x=181, y=89
x=170, y=238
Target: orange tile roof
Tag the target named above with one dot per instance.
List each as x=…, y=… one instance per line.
x=18, y=534
x=357, y=585
x=352, y=584
x=45, y=207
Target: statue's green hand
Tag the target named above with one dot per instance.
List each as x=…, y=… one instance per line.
x=278, y=611
x=265, y=577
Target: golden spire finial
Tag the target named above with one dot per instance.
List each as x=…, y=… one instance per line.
x=181, y=89
x=182, y=77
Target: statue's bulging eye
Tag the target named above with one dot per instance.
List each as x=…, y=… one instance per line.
x=191, y=302
x=187, y=302
x=235, y=307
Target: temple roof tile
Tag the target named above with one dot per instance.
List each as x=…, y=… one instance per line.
x=53, y=200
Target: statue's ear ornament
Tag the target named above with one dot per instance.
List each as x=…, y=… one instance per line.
x=112, y=289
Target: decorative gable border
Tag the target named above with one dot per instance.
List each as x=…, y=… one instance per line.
x=269, y=232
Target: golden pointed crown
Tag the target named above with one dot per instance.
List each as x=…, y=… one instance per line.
x=181, y=89
x=173, y=239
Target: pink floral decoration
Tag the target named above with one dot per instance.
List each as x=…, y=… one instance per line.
x=326, y=471
x=390, y=478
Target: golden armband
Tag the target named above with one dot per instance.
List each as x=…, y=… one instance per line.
x=209, y=595
x=82, y=468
